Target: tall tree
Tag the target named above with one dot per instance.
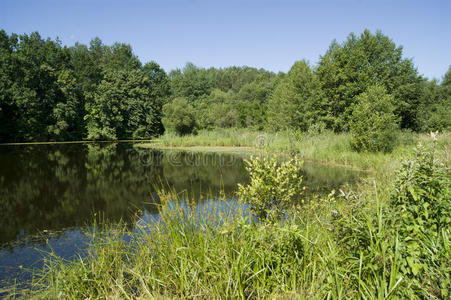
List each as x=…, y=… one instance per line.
x=446, y=83
x=120, y=56
x=434, y=111
x=159, y=80
x=68, y=112
x=346, y=70
x=296, y=101
x=124, y=106
x=234, y=78
x=191, y=82
x=373, y=125
x=30, y=90
x=8, y=115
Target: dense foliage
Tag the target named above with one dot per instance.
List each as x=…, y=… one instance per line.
x=272, y=186
x=348, y=69
x=50, y=92
x=422, y=215
x=297, y=100
x=434, y=112
x=373, y=125
x=178, y=117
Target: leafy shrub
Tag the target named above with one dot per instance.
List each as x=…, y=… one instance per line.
x=439, y=118
x=434, y=109
x=272, y=186
x=401, y=247
x=422, y=217
x=373, y=124
x=178, y=117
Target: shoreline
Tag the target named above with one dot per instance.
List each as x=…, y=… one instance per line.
x=71, y=142
x=243, y=150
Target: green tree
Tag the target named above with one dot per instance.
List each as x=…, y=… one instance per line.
x=373, y=123
x=50, y=92
x=120, y=56
x=87, y=64
x=434, y=111
x=235, y=78
x=178, y=117
x=217, y=110
x=346, y=70
x=251, y=114
x=296, y=101
x=445, y=106
x=191, y=82
x=258, y=90
x=69, y=111
x=159, y=80
x=29, y=92
x=446, y=82
x=8, y=114
x=124, y=107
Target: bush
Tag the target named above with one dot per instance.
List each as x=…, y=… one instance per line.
x=178, y=117
x=272, y=186
x=422, y=218
x=373, y=124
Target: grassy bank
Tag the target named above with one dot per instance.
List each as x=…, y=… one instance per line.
x=388, y=238
x=327, y=147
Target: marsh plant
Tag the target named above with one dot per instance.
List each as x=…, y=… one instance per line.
x=272, y=186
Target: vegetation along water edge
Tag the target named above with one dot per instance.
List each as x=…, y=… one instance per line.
x=387, y=238
x=363, y=105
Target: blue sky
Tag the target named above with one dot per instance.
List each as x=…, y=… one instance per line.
x=268, y=33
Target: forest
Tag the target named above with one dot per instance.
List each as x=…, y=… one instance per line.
x=52, y=92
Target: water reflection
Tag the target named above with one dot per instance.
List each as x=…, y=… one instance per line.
x=49, y=192
x=51, y=187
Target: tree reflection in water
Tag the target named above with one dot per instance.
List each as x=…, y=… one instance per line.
x=48, y=193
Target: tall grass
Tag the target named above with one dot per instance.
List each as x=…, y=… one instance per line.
x=342, y=246
x=180, y=256
x=327, y=147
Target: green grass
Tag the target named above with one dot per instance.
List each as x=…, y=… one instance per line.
x=343, y=246
x=184, y=257
x=327, y=147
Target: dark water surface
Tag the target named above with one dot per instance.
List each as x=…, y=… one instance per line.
x=49, y=194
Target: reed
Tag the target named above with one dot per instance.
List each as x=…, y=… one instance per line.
x=326, y=147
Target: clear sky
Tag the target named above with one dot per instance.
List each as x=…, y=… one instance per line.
x=267, y=33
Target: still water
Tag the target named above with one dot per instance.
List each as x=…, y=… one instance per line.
x=49, y=194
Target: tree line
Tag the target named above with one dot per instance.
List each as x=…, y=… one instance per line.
x=51, y=92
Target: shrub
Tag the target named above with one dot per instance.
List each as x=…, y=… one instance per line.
x=422, y=217
x=399, y=247
x=272, y=186
x=373, y=124
x=178, y=117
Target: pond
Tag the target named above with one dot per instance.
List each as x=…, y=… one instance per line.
x=50, y=193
